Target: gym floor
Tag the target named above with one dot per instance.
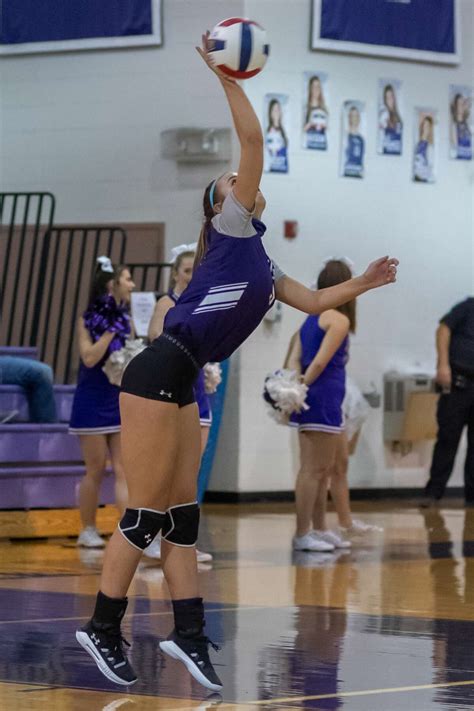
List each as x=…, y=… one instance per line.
x=388, y=626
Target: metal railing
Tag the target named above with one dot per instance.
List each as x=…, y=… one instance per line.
x=73, y=252
x=150, y=277
x=46, y=273
x=25, y=221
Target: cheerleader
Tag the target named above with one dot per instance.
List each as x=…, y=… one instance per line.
x=181, y=273
x=320, y=353
x=233, y=286
x=95, y=416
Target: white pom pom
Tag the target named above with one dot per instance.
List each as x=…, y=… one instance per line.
x=285, y=394
x=212, y=377
x=355, y=408
x=117, y=361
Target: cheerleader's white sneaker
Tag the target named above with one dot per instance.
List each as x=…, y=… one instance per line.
x=360, y=528
x=89, y=538
x=308, y=542
x=154, y=551
x=203, y=557
x=332, y=537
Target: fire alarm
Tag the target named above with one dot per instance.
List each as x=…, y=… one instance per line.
x=290, y=230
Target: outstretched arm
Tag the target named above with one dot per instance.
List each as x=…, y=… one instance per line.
x=382, y=271
x=248, y=130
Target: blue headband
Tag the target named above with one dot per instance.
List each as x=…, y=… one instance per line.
x=211, y=193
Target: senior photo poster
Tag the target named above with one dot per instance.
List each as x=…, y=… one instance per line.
x=425, y=142
x=315, y=111
x=353, y=143
x=460, y=122
x=275, y=127
x=389, y=117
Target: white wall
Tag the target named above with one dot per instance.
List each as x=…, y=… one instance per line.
x=429, y=227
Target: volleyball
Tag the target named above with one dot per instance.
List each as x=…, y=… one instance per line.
x=239, y=47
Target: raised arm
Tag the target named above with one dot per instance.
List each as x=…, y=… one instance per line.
x=162, y=307
x=382, y=271
x=248, y=130
x=91, y=353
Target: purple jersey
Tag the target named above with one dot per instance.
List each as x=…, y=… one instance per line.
x=230, y=291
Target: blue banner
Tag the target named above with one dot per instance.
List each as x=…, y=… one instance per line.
x=423, y=29
x=42, y=23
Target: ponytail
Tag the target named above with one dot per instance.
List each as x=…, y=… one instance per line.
x=101, y=278
x=203, y=241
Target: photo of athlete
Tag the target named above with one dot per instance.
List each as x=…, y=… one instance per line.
x=276, y=140
x=390, y=124
x=353, y=141
x=424, y=156
x=460, y=134
x=315, y=112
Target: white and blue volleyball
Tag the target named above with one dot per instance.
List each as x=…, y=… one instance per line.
x=239, y=47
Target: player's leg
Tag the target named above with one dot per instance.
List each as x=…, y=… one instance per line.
x=187, y=642
x=121, y=491
x=144, y=423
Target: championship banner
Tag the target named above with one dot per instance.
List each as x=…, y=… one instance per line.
x=422, y=30
x=64, y=25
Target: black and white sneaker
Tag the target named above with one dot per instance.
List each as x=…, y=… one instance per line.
x=106, y=649
x=194, y=654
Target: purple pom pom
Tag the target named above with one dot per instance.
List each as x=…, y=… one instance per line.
x=105, y=315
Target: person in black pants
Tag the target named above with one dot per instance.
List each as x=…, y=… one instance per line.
x=455, y=376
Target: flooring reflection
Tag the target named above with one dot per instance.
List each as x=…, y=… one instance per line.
x=386, y=627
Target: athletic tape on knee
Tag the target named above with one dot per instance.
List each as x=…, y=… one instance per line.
x=182, y=524
x=140, y=526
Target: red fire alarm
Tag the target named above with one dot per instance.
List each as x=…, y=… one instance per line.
x=290, y=229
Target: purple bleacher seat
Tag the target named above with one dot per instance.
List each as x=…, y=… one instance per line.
x=12, y=398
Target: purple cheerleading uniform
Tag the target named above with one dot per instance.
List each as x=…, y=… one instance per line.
x=326, y=394
x=95, y=408
x=202, y=398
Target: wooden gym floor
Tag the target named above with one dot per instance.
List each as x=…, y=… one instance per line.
x=386, y=627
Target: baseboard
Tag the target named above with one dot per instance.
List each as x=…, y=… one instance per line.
x=48, y=523
x=235, y=497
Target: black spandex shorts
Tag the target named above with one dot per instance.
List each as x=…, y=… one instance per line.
x=165, y=371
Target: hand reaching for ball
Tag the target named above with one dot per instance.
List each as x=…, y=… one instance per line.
x=204, y=52
x=382, y=271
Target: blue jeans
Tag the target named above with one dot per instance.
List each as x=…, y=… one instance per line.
x=37, y=380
